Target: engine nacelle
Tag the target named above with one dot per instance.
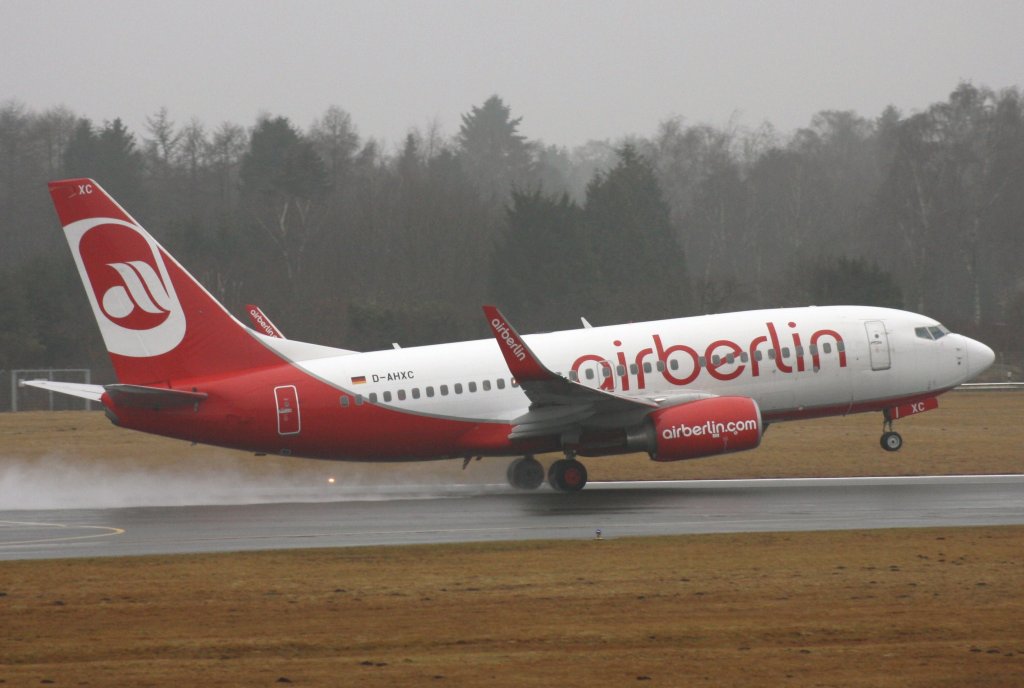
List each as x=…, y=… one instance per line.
x=718, y=425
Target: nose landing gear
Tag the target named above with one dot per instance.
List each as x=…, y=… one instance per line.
x=891, y=440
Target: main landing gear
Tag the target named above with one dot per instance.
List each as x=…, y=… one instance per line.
x=525, y=473
x=565, y=475
x=891, y=440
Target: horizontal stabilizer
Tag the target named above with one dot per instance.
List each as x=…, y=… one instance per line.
x=74, y=389
x=148, y=397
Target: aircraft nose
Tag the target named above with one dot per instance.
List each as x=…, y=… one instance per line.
x=979, y=358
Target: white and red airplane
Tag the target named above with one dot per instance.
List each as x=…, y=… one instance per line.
x=676, y=389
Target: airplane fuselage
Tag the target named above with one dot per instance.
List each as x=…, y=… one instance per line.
x=459, y=399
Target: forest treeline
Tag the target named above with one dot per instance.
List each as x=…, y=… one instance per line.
x=344, y=241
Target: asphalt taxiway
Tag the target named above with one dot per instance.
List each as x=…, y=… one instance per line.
x=479, y=513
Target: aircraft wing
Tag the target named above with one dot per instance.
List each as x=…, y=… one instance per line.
x=559, y=404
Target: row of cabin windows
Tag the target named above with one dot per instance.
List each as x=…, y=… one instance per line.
x=589, y=373
x=716, y=360
x=429, y=392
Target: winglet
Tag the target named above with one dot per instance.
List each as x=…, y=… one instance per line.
x=262, y=322
x=522, y=362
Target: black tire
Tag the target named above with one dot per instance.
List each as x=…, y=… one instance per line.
x=525, y=473
x=567, y=475
x=891, y=441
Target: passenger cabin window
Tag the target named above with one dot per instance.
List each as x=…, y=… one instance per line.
x=501, y=383
x=344, y=402
x=415, y=392
x=487, y=385
x=458, y=387
x=373, y=397
x=387, y=396
x=430, y=391
x=401, y=395
x=444, y=390
x=472, y=386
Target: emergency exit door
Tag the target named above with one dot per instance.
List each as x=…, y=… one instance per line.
x=878, y=345
x=288, y=421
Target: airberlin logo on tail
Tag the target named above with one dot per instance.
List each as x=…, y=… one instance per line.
x=129, y=288
x=140, y=295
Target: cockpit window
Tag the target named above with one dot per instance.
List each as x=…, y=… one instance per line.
x=933, y=332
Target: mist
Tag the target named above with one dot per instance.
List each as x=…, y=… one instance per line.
x=63, y=482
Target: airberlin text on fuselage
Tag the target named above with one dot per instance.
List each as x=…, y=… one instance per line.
x=723, y=359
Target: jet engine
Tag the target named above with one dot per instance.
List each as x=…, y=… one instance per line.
x=718, y=425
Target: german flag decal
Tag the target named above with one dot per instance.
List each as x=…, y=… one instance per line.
x=360, y=380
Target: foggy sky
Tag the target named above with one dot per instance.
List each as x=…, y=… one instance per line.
x=573, y=70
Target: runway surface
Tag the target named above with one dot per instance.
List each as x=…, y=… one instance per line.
x=479, y=513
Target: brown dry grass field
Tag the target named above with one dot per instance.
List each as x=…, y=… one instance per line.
x=930, y=607
x=935, y=607
x=970, y=432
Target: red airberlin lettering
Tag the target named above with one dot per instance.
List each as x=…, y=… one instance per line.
x=723, y=359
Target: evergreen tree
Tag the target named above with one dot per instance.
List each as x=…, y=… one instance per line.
x=850, y=281
x=640, y=265
x=543, y=269
x=495, y=156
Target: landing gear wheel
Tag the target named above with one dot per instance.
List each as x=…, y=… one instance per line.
x=525, y=473
x=567, y=475
x=891, y=441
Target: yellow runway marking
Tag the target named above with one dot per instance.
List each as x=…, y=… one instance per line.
x=108, y=532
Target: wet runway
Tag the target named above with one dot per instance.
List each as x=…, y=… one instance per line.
x=479, y=513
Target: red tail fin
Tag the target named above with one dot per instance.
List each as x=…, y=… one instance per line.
x=157, y=321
